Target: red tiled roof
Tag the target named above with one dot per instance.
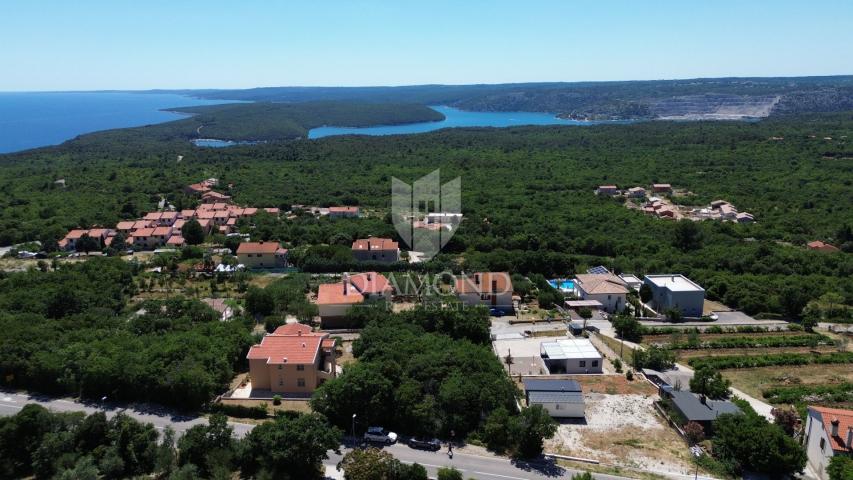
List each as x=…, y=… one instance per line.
x=205, y=214
x=152, y=216
x=128, y=225
x=187, y=213
x=845, y=422
x=76, y=234
x=179, y=224
x=143, y=232
x=140, y=224
x=99, y=232
x=250, y=211
x=176, y=240
x=596, y=283
x=271, y=210
x=370, y=283
x=338, y=294
x=258, y=247
x=482, y=283
x=212, y=194
x=282, y=349
x=295, y=329
x=162, y=231
x=169, y=215
x=374, y=243
x=343, y=209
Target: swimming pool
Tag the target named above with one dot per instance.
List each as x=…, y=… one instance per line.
x=562, y=284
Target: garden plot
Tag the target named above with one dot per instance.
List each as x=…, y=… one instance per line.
x=623, y=430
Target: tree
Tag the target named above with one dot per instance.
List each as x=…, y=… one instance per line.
x=87, y=244
x=748, y=442
x=694, y=433
x=119, y=242
x=532, y=426
x=372, y=463
x=292, y=448
x=449, y=473
x=687, y=236
x=582, y=476
x=496, y=431
x=786, y=418
x=193, y=232
x=628, y=328
x=709, y=382
x=840, y=468
x=673, y=315
x=259, y=302
x=208, y=447
x=654, y=357
x=646, y=293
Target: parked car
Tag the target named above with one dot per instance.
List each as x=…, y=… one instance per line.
x=424, y=443
x=380, y=435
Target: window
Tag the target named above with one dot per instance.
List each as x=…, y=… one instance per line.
x=822, y=444
x=300, y=382
x=595, y=363
x=300, y=367
x=583, y=363
x=280, y=382
x=279, y=367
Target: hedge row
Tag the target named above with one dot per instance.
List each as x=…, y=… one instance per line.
x=716, y=329
x=755, y=342
x=842, y=392
x=752, y=361
x=240, y=411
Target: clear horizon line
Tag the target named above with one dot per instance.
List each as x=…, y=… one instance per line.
x=402, y=85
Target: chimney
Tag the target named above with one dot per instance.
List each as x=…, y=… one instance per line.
x=835, y=422
x=303, y=344
x=703, y=399
x=299, y=333
x=849, y=441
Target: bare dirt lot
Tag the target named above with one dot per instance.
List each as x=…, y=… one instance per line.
x=623, y=430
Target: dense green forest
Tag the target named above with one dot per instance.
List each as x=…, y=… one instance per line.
x=37, y=443
x=629, y=99
x=527, y=194
x=69, y=331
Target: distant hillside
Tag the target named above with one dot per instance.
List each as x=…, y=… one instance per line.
x=722, y=98
x=268, y=122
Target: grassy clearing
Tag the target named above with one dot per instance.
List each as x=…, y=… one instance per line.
x=722, y=352
x=615, y=345
x=755, y=380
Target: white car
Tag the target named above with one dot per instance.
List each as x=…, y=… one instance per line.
x=380, y=435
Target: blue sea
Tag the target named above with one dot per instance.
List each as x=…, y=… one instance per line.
x=456, y=118
x=29, y=120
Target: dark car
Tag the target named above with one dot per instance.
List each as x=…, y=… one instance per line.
x=425, y=443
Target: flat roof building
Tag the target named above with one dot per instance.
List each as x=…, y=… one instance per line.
x=676, y=291
x=571, y=355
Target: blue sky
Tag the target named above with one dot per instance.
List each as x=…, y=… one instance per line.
x=119, y=44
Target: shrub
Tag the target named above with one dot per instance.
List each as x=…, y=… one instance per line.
x=276, y=400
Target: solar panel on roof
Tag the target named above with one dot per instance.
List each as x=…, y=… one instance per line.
x=599, y=270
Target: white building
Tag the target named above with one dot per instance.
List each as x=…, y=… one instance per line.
x=633, y=281
x=571, y=355
x=610, y=290
x=560, y=398
x=829, y=432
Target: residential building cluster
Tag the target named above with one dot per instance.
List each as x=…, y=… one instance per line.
x=216, y=214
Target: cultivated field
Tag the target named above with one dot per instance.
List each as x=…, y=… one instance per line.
x=754, y=381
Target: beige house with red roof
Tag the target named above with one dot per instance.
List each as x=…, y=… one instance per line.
x=828, y=432
x=606, y=190
x=262, y=255
x=335, y=299
x=343, y=212
x=821, y=246
x=608, y=289
x=374, y=249
x=292, y=361
x=492, y=289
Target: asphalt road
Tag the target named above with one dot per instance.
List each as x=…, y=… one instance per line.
x=480, y=467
